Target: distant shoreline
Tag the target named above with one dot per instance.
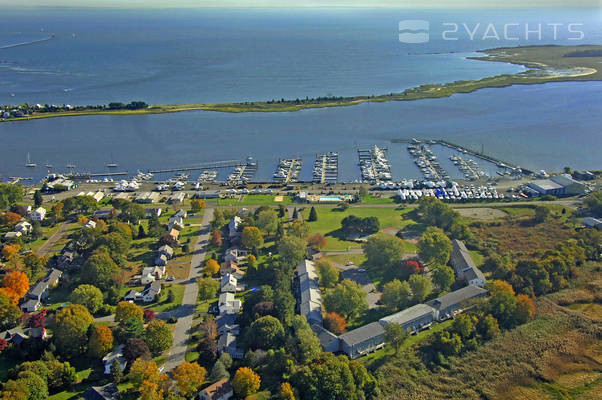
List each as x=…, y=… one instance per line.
x=545, y=64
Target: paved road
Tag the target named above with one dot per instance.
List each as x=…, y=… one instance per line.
x=185, y=312
x=45, y=248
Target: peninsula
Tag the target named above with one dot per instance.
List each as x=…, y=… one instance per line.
x=544, y=64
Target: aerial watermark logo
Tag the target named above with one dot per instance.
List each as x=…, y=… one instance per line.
x=414, y=31
x=418, y=31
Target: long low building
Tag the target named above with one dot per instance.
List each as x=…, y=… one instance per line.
x=412, y=319
x=452, y=303
x=363, y=340
x=310, y=298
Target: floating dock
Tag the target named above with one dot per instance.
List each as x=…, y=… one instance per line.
x=288, y=170
x=374, y=165
x=326, y=168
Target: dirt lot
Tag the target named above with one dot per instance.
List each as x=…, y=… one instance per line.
x=481, y=213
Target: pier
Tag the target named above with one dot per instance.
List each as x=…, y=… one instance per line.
x=288, y=170
x=326, y=168
x=88, y=175
x=214, y=165
x=374, y=164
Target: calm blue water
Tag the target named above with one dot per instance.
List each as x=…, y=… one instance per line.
x=186, y=56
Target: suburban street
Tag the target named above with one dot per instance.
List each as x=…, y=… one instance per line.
x=185, y=312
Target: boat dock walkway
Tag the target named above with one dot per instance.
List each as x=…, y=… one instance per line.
x=374, y=164
x=288, y=170
x=326, y=168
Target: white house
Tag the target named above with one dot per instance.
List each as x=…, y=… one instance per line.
x=24, y=227
x=176, y=222
x=90, y=224
x=150, y=292
x=166, y=250
x=13, y=235
x=114, y=356
x=38, y=214
x=228, y=304
x=150, y=274
x=132, y=295
x=229, y=283
x=236, y=255
x=233, y=227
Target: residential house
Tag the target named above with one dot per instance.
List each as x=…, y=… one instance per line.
x=181, y=213
x=455, y=302
x=38, y=214
x=176, y=222
x=412, y=319
x=229, y=283
x=474, y=276
x=66, y=259
x=220, y=390
x=230, y=267
x=226, y=323
x=19, y=335
x=116, y=356
x=362, y=340
x=40, y=290
x=31, y=306
x=152, y=212
x=109, y=391
x=132, y=295
x=151, y=274
x=174, y=233
x=227, y=343
x=24, y=227
x=236, y=254
x=460, y=258
x=233, y=227
x=90, y=224
x=166, y=250
x=228, y=304
x=12, y=235
x=150, y=292
x=161, y=259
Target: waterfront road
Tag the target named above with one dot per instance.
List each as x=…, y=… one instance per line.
x=185, y=312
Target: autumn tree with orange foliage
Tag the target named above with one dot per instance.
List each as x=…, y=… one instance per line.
x=211, y=267
x=498, y=286
x=10, y=250
x=525, y=308
x=10, y=219
x=189, y=377
x=216, y=238
x=245, y=382
x=335, y=323
x=197, y=205
x=10, y=295
x=317, y=241
x=286, y=392
x=82, y=219
x=101, y=341
x=17, y=281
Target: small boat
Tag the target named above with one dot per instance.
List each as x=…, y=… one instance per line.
x=30, y=164
x=48, y=165
x=112, y=164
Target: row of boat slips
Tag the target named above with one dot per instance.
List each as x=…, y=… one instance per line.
x=326, y=168
x=374, y=165
x=288, y=170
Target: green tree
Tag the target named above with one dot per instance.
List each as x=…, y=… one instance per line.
x=313, y=215
x=37, y=198
x=125, y=310
x=307, y=343
x=158, y=336
x=116, y=373
x=443, y=277
x=265, y=333
x=245, y=382
x=327, y=377
x=34, y=263
x=218, y=372
x=10, y=314
x=327, y=272
x=594, y=203
x=488, y=327
x=141, y=233
x=71, y=331
x=208, y=288
x=298, y=228
x=542, y=213
x=98, y=270
x=436, y=213
x=396, y=295
x=347, y=299
x=267, y=221
x=88, y=296
x=61, y=375
x=464, y=325
x=363, y=193
x=434, y=247
x=251, y=237
x=292, y=249
x=36, y=385
x=395, y=335
x=383, y=250
x=132, y=212
x=502, y=306
x=421, y=287
x=129, y=328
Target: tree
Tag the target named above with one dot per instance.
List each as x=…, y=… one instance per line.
x=115, y=243
x=116, y=373
x=347, y=299
x=334, y=323
x=148, y=315
x=298, y=228
x=363, y=193
x=313, y=214
x=168, y=240
x=354, y=225
x=88, y=296
x=251, y=237
x=502, y=306
x=396, y=295
x=10, y=314
x=131, y=212
x=395, y=335
x=98, y=270
x=436, y=213
x=189, y=377
x=61, y=375
x=211, y=267
x=218, y=371
x=207, y=349
x=327, y=377
x=307, y=345
x=125, y=310
x=421, y=287
x=245, y=382
x=10, y=250
x=141, y=233
x=317, y=241
x=251, y=261
x=158, y=336
x=9, y=195
x=197, y=205
x=34, y=263
x=383, y=250
x=208, y=288
x=71, y=331
x=542, y=213
x=10, y=295
x=136, y=348
x=37, y=198
x=292, y=249
x=525, y=309
x=327, y=272
x=286, y=392
x=57, y=211
x=267, y=221
x=216, y=238
x=594, y=203
x=464, y=325
x=443, y=277
x=10, y=219
x=35, y=384
x=128, y=329
x=101, y=341
x=265, y=333
x=488, y=327
x=434, y=247
x=17, y=281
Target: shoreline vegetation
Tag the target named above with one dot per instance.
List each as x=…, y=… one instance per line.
x=544, y=64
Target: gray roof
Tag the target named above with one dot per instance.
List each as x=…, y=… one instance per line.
x=407, y=315
x=54, y=274
x=564, y=180
x=226, y=319
x=456, y=297
x=544, y=185
x=326, y=337
x=153, y=287
x=362, y=334
x=473, y=273
x=106, y=392
x=226, y=340
x=460, y=256
x=39, y=288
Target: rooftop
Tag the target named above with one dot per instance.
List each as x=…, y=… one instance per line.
x=407, y=315
x=363, y=333
x=457, y=296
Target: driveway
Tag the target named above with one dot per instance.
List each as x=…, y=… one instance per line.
x=185, y=312
x=353, y=273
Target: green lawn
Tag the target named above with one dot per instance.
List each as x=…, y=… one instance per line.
x=255, y=200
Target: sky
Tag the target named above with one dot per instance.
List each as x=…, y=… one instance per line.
x=311, y=3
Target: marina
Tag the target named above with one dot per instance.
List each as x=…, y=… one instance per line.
x=326, y=168
x=427, y=162
x=374, y=165
x=243, y=174
x=288, y=170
